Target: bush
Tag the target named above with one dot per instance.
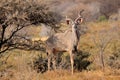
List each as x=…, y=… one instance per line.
x=40, y=64
x=81, y=62
x=114, y=61
x=63, y=62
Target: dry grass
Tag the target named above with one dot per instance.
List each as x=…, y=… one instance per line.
x=90, y=75
x=59, y=75
x=20, y=70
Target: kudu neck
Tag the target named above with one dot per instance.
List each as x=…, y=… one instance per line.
x=75, y=33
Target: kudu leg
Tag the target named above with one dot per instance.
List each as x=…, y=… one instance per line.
x=49, y=61
x=54, y=62
x=72, y=61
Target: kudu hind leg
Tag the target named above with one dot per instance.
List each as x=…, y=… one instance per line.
x=54, y=62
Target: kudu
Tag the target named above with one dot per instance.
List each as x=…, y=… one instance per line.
x=66, y=41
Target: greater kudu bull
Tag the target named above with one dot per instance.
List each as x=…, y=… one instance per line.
x=66, y=41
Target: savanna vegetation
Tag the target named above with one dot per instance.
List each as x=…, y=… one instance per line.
x=26, y=24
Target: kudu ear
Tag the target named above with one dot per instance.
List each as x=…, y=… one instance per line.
x=68, y=20
x=80, y=18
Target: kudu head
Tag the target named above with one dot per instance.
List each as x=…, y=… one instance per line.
x=77, y=21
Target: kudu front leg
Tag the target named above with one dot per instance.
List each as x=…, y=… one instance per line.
x=72, y=61
x=49, y=62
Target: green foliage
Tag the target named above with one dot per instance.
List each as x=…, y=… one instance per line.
x=102, y=18
x=81, y=62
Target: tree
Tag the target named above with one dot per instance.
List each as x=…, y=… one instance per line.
x=102, y=39
x=109, y=7
x=15, y=15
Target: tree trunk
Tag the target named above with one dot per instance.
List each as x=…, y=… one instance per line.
x=102, y=59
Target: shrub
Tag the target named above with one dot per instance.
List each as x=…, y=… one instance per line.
x=63, y=62
x=114, y=61
x=40, y=64
x=81, y=62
